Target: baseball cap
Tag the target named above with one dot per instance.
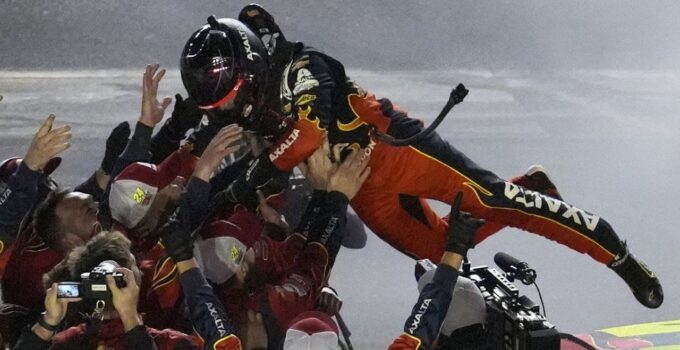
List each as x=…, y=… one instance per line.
x=134, y=189
x=132, y=193
x=222, y=250
x=312, y=330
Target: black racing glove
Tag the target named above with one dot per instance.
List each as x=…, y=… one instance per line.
x=261, y=175
x=115, y=145
x=203, y=134
x=462, y=228
x=185, y=116
x=177, y=243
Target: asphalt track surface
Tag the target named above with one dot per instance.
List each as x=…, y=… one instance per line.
x=610, y=139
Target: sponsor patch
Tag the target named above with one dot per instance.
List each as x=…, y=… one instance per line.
x=304, y=75
x=419, y=314
x=141, y=197
x=217, y=320
x=305, y=81
x=305, y=99
x=246, y=44
x=284, y=145
x=307, y=85
x=236, y=254
x=531, y=199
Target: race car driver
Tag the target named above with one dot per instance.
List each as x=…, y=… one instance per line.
x=294, y=94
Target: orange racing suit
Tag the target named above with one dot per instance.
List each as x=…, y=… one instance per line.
x=319, y=98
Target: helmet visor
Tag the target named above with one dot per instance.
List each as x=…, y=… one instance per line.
x=209, y=75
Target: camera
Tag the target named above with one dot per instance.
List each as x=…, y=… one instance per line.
x=93, y=284
x=511, y=320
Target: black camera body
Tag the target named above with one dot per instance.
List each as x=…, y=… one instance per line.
x=93, y=285
x=513, y=321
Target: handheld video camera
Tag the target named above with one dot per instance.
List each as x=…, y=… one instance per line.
x=93, y=285
x=512, y=321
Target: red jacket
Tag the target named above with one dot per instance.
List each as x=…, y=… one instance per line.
x=112, y=337
x=22, y=282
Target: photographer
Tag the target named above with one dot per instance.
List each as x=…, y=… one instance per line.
x=46, y=221
x=422, y=326
x=116, y=324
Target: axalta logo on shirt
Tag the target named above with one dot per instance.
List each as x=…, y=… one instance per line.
x=284, y=145
x=219, y=324
x=4, y=193
x=531, y=199
x=419, y=315
x=330, y=227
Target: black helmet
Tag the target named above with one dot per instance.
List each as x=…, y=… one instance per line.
x=224, y=61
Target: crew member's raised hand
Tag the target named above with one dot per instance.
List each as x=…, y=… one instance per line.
x=115, y=144
x=185, y=115
x=350, y=175
x=47, y=143
x=318, y=167
x=462, y=228
x=152, y=109
x=222, y=145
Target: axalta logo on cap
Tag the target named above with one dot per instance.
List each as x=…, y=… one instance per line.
x=285, y=145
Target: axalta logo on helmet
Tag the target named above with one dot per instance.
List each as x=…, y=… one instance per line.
x=246, y=44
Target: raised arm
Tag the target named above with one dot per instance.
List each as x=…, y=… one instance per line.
x=207, y=314
x=422, y=326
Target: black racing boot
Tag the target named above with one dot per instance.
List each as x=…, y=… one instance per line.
x=641, y=280
x=536, y=179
